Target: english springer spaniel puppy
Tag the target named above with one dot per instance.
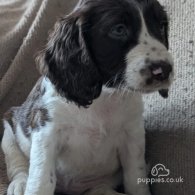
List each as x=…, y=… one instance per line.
x=81, y=130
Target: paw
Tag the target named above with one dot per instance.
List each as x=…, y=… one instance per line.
x=17, y=186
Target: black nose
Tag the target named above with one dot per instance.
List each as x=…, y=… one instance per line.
x=160, y=70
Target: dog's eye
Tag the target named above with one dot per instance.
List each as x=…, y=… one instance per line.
x=119, y=31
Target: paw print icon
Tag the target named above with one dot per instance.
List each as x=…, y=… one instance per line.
x=160, y=170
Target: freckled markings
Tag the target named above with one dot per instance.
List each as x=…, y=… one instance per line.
x=153, y=49
x=147, y=61
x=32, y=113
x=143, y=71
x=145, y=43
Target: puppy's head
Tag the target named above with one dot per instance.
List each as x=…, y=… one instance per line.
x=117, y=43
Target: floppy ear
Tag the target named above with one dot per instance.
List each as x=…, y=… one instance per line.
x=66, y=61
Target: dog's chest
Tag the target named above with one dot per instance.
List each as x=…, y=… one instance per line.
x=98, y=125
x=90, y=136
x=85, y=160
x=88, y=146
x=88, y=157
x=88, y=141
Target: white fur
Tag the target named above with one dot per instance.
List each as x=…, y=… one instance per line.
x=17, y=164
x=136, y=59
x=42, y=178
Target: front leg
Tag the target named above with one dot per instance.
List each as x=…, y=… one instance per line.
x=132, y=156
x=42, y=179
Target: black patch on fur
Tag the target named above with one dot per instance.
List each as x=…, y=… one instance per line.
x=80, y=55
x=156, y=20
x=71, y=68
x=108, y=53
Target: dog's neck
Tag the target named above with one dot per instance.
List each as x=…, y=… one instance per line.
x=113, y=103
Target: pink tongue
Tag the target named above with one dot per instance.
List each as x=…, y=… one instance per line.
x=157, y=71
